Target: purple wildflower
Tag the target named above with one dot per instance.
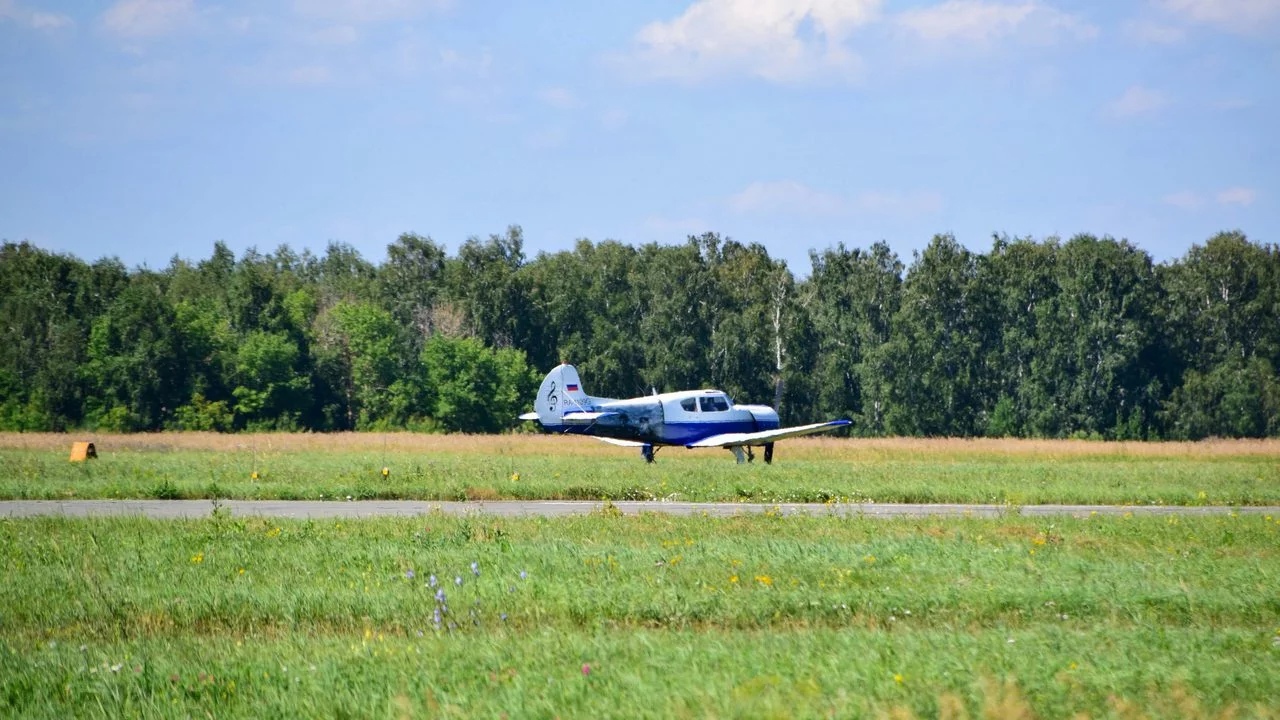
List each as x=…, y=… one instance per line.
x=435, y=617
x=431, y=581
x=408, y=574
x=523, y=575
x=457, y=580
x=440, y=595
x=475, y=569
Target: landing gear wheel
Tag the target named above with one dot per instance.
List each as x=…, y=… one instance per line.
x=768, y=453
x=646, y=452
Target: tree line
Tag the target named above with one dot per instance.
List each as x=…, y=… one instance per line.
x=1033, y=338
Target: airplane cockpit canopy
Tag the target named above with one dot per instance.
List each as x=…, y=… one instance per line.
x=714, y=403
x=710, y=402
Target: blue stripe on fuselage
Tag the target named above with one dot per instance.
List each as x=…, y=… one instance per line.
x=683, y=433
x=671, y=433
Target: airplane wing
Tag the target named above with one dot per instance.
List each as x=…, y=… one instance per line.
x=617, y=441
x=766, y=436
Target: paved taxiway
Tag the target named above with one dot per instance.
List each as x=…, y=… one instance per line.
x=175, y=509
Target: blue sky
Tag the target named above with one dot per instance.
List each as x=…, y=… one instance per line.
x=149, y=128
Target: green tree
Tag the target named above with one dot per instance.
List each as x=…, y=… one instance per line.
x=750, y=318
x=410, y=284
x=560, y=304
x=677, y=291
x=486, y=287
x=47, y=304
x=364, y=351
x=342, y=274
x=1094, y=374
x=932, y=364
x=1223, y=321
x=589, y=303
x=137, y=365
x=1021, y=275
x=270, y=392
x=476, y=388
x=208, y=343
x=1236, y=398
x=1223, y=302
x=851, y=297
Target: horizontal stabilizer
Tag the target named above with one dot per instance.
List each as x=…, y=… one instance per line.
x=529, y=416
x=584, y=418
x=766, y=436
x=616, y=441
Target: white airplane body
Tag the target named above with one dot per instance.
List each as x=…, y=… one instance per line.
x=688, y=418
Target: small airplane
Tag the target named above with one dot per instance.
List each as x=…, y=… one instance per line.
x=689, y=418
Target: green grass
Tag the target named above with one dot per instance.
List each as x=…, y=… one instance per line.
x=546, y=472
x=747, y=616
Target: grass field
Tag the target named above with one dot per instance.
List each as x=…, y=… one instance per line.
x=458, y=467
x=641, y=616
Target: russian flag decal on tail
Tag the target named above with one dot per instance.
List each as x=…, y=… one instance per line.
x=571, y=387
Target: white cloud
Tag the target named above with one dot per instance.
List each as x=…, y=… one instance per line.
x=472, y=79
x=1184, y=199
x=547, y=138
x=334, y=35
x=785, y=196
x=1237, y=16
x=49, y=21
x=365, y=12
x=614, y=118
x=979, y=22
x=309, y=75
x=148, y=18
x=1231, y=104
x=775, y=40
x=559, y=97
x=1190, y=200
x=478, y=65
x=33, y=19
x=1241, y=196
x=795, y=198
x=1137, y=100
x=1153, y=33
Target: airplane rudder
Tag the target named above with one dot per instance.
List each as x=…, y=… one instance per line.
x=571, y=382
x=551, y=394
x=540, y=403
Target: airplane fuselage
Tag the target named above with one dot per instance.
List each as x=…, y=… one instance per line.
x=692, y=418
x=676, y=418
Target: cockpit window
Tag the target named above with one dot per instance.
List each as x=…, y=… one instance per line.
x=689, y=405
x=714, y=403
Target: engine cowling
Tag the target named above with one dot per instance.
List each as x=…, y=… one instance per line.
x=766, y=417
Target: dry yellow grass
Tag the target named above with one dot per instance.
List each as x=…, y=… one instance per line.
x=1043, y=448
x=826, y=448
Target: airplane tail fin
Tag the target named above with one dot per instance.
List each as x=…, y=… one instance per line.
x=561, y=392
